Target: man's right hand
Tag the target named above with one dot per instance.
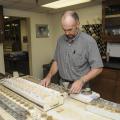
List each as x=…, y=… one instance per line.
x=45, y=82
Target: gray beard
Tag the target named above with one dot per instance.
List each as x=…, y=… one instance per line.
x=69, y=38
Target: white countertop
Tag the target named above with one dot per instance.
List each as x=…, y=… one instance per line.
x=73, y=110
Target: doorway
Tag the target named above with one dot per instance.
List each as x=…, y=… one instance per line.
x=15, y=45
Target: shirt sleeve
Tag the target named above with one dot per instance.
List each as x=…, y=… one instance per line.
x=56, y=51
x=94, y=57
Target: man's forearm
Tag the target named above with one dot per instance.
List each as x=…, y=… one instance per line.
x=53, y=70
x=92, y=74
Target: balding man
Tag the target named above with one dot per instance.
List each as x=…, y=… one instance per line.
x=76, y=57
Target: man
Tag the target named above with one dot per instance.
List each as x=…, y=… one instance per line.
x=76, y=57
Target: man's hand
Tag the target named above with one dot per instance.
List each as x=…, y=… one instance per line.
x=53, y=70
x=45, y=82
x=76, y=86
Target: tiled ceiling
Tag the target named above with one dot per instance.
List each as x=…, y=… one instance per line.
x=35, y=5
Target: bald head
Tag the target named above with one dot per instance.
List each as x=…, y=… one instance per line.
x=73, y=14
x=70, y=23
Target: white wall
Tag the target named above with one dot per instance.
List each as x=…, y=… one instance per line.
x=40, y=52
x=42, y=49
x=2, y=67
x=90, y=14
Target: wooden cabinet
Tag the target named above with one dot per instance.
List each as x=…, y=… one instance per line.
x=1, y=24
x=108, y=84
x=116, y=96
x=111, y=21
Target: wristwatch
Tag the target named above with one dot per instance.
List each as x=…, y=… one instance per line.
x=83, y=81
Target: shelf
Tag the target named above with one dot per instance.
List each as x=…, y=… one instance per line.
x=112, y=16
x=112, y=38
x=112, y=2
x=111, y=21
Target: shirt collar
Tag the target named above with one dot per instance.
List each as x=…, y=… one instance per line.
x=72, y=40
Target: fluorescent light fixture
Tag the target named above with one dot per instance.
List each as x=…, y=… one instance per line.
x=6, y=17
x=64, y=3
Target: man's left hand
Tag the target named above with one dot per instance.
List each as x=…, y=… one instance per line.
x=76, y=86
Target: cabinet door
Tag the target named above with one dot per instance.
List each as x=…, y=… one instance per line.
x=109, y=74
x=1, y=25
x=117, y=93
x=104, y=86
x=117, y=89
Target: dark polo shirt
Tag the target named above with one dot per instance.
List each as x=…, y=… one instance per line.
x=76, y=59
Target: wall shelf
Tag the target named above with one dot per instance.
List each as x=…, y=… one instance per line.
x=111, y=38
x=112, y=16
x=111, y=21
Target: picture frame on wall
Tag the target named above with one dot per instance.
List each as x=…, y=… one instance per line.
x=42, y=30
